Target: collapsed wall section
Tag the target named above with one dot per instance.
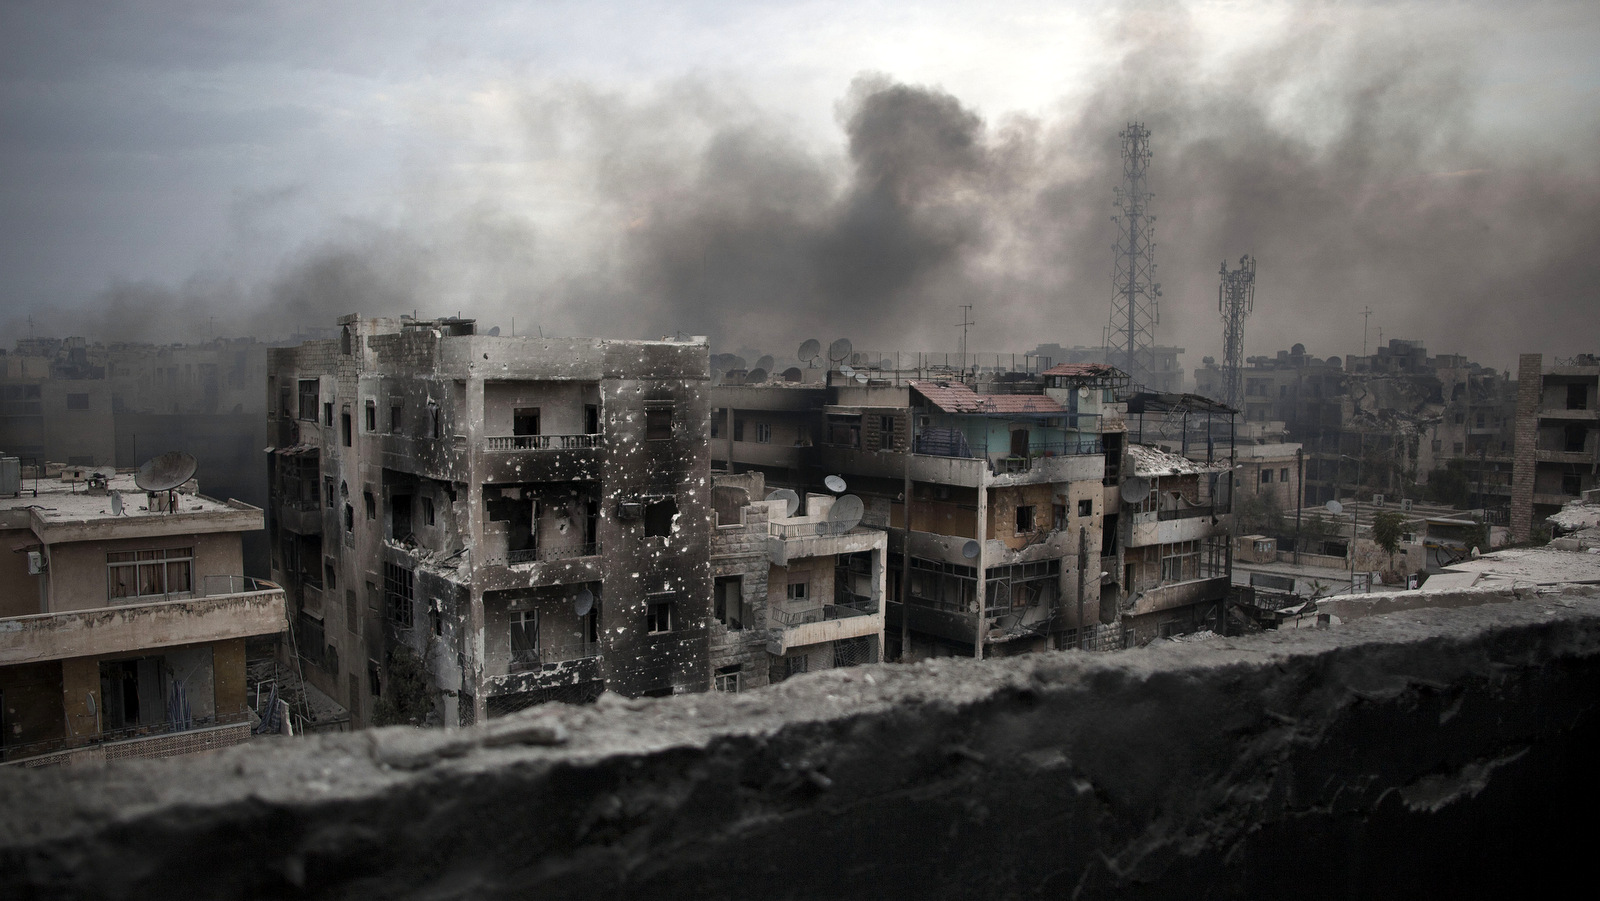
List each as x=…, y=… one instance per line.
x=1437, y=752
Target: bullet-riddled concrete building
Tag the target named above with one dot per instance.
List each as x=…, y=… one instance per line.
x=468, y=524
x=123, y=618
x=1557, y=449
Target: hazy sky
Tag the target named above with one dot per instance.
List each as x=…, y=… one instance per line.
x=769, y=172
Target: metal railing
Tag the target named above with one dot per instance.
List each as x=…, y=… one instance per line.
x=791, y=618
x=808, y=529
x=10, y=753
x=564, y=552
x=1186, y=513
x=935, y=445
x=212, y=586
x=540, y=442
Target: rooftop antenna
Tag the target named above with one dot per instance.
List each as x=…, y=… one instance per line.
x=965, y=323
x=840, y=350
x=1236, y=299
x=1135, y=295
x=166, y=473
x=1366, y=314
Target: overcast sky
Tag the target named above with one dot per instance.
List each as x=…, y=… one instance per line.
x=769, y=172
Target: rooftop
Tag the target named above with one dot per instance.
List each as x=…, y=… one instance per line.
x=954, y=397
x=1150, y=461
x=54, y=502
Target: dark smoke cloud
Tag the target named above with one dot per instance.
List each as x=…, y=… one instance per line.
x=1345, y=155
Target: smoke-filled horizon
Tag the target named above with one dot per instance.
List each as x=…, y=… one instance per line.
x=1355, y=159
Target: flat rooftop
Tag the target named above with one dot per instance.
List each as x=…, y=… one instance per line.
x=62, y=503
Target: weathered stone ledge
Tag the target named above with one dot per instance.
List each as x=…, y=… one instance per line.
x=1432, y=752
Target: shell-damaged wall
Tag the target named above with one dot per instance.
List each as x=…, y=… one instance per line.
x=1438, y=753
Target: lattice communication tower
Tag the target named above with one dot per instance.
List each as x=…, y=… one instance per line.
x=1236, y=299
x=1135, y=305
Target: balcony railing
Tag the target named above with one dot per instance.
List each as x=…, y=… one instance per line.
x=535, y=659
x=541, y=442
x=948, y=443
x=213, y=586
x=538, y=554
x=1186, y=513
x=150, y=730
x=791, y=618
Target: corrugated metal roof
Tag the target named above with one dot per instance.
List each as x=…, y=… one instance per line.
x=954, y=397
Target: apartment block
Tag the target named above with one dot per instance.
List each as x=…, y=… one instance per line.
x=469, y=524
x=1557, y=451
x=123, y=618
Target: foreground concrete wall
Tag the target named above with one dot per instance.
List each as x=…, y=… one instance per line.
x=1433, y=753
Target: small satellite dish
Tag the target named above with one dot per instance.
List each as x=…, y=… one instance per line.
x=847, y=370
x=834, y=483
x=1134, y=489
x=494, y=332
x=583, y=603
x=116, y=502
x=840, y=350
x=970, y=550
x=1083, y=392
x=716, y=377
x=862, y=377
x=788, y=497
x=165, y=472
x=765, y=362
x=1334, y=507
x=755, y=376
x=846, y=514
x=810, y=349
x=792, y=374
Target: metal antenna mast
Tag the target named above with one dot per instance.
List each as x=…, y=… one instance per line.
x=1236, y=299
x=1135, y=308
x=965, y=323
x=1366, y=315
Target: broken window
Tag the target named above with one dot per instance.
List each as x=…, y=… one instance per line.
x=797, y=591
x=658, y=420
x=399, y=516
x=374, y=680
x=1025, y=518
x=308, y=399
x=1575, y=435
x=433, y=420
x=731, y=610
x=370, y=503
x=427, y=511
x=1086, y=507
x=1577, y=397
x=344, y=426
x=524, y=640
x=329, y=578
x=659, y=614
x=658, y=517
x=372, y=416
x=1059, y=515
x=396, y=417
x=327, y=414
x=349, y=518
x=525, y=421
x=350, y=612
x=728, y=678
x=398, y=584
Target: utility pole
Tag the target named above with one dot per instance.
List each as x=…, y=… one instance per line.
x=965, y=323
x=1366, y=315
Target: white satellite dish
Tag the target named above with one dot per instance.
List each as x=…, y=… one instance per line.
x=1083, y=392
x=116, y=502
x=1134, y=489
x=970, y=550
x=810, y=349
x=788, y=497
x=846, y=514
x=1334, y=507
x=834, y=483
x=840, y=350
x=847, y=371
x=583, y=603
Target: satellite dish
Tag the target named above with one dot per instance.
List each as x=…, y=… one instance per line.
x=755, y=376
x=494, y=332
x=1083, y=392
x=1134, y=489
x=165, y=472
x=116, y=502
x=847, y=371
x=862, y=377
x=834, y=483
x=970, y=550
x=716, y=377
x=1334, y=507
x=810, y=349
x=765, y=362
x=846, y=514
x=840, y=350
x=788, y=497
x=792, y=374
x=583, y=603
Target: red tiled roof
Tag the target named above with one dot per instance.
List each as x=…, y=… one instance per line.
x=1081, y=369
x=953, y=397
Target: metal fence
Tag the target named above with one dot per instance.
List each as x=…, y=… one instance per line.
x=540, y=442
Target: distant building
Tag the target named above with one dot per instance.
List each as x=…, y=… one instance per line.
x=1557, y=438
x=122, y=631
x=467, y=525
x=1166, y=375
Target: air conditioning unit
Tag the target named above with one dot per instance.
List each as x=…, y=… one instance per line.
x=1405, y=504
x=628, y=510
x=1377, y=500
x=36, y=563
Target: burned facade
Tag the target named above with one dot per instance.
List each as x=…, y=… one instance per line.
x=1557, y=455
x=468, y=524
x=123, y=618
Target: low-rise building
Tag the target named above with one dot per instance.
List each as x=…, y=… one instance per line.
x=123, y=618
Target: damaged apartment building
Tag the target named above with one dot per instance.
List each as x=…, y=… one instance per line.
x=1002, y=496
x=467, y=524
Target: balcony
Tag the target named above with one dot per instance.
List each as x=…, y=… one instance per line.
x=227, y=607
x=514, y=672
x=542, y=458
x=545, y=553
x=1180, y=594
x=850, y=616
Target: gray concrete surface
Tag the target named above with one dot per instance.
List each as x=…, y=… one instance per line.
x=1423, y=753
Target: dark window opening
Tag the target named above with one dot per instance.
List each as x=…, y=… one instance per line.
x=525, y=421
x=731, y=609
x=658, y=616
x=396, y=417
x=1086, y=507
x=433, y=419
x=738, y=430
x=372, y=416
x=1059, y=516
x=658, y=517
x=1025, y=519
x=77, y=402
x=349, y=518
x=327, y=490
x=327, y=413
x=308, y=399
x=374, y=680
x=398, y=586
x=1577, y=397
x=344, y=427
x=658, y=423
x=1575, y=438
x=427, y=511
x=329, y=577
x=591, y=419
x=728, y=678
x=370, y=503
x=399, y=516
x=1571, y=483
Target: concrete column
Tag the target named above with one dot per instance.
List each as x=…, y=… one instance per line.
x=979, y=629
x=1525, y=438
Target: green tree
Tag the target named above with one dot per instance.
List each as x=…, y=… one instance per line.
x=1259, y=515
x=1387, y=529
